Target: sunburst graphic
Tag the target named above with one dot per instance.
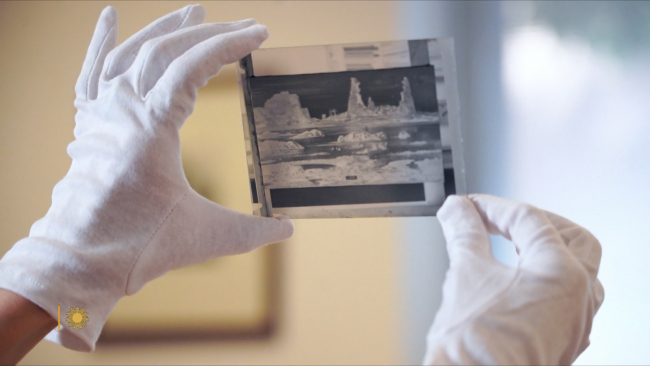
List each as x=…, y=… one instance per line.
x=77, y=318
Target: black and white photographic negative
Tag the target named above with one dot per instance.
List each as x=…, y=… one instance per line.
x=364, y=141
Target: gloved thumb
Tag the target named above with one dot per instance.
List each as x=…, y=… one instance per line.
x=220, y=231
x=197, y=230
x=464, y=229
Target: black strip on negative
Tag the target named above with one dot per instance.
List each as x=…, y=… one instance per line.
x=254, y=191
x=450, y=182
x=346, y=195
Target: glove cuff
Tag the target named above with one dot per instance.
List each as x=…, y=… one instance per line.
x=50, y=275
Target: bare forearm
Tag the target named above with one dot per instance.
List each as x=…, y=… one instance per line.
x=22, y=325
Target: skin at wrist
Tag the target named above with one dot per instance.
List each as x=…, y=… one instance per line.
x=22, y=325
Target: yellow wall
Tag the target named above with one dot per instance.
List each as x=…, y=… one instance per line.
x=340, y=292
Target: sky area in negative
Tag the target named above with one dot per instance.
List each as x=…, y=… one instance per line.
x=322, y=92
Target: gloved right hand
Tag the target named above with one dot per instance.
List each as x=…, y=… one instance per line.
x=538, y=313
x=125, y=214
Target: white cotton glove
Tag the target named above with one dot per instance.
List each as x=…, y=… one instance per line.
x=537, y=313
x=125, y=214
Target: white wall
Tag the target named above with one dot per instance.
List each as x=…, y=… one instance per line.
x=577, y=85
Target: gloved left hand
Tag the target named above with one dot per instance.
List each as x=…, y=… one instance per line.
x=125, y=213
x=537, y=313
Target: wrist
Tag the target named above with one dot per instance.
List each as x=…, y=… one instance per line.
x=53, y=275
x=22, y=325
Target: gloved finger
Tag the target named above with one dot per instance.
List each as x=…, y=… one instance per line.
x=195, y=67
x=584, y=246
x=537, y=241
x=103, y=41
x=123, y=56
x=463, y=228
x=599, y=295
x=156, y=54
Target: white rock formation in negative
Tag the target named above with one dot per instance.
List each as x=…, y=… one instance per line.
x=371, y=105
x=341, y=117
x=362, y=137
x=406, y=104
x=309, y=134
x=282, y=109
x=403, y=135
x=356, y=108
x=279, y=145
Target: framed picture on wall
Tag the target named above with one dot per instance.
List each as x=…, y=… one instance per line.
x=227, y=298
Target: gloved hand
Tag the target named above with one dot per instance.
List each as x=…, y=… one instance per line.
x=537, y=313
x=125, y=213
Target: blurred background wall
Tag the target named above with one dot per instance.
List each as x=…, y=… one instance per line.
x=577, y=85
x=554, y=108
x=339, y=278
x=554, y=101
